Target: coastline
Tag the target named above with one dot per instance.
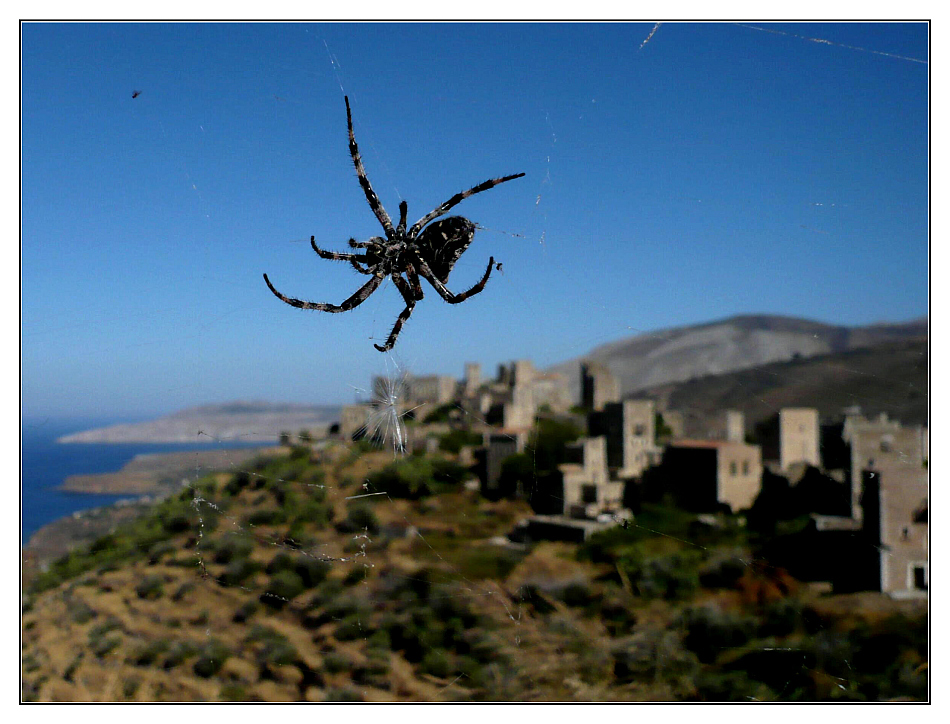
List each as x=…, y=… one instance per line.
x=144, y=480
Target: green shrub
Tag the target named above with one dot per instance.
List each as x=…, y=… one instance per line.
x=238, y=571
x=454, y=440
x=232, y=547
x=281, y=588
x=359, y=518
x=211, y=658
x=147, y=654
x=267, y=517
x=710, y=631
x=437, y=663
x=357, y=574
x=150, y=588
x=335, y=662
x=245, y=611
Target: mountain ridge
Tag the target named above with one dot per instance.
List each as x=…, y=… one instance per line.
x=678, y=354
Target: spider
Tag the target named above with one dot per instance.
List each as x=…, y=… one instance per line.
x=428, y=249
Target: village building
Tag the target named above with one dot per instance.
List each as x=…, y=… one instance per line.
x=799, y=434
x=598, y=386
x=707, y=475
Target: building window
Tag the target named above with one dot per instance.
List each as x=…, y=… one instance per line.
x=745, y=467
x=733, y=468
x=639, y=430
x=920, y=578
x=588, y=493
x=905, y=534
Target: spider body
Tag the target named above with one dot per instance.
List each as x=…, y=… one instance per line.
x=428, y=249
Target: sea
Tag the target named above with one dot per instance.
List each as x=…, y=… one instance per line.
x=45, y=464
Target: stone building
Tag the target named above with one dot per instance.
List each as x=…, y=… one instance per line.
x=588, y=489
x=629, y=428
x=473, y=379
x=704, y=475
x=735, y=425
x=432, y=390
x=498, y=446
x=353, y=420
x=895, y=508
x=598, y=386
x=799, y=433
x=880, y=444
x=519, y=410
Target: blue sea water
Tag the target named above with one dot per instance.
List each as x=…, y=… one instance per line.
x=46, y=464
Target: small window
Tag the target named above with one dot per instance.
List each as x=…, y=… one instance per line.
x=745, y=467
x=733, y=468
x=920, y=578
x=639, y=430
x=905, y=534
x=589, y=494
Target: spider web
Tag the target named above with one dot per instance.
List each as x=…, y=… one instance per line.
x=384, y=562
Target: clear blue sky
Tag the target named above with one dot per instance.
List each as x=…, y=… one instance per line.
x=716, y=170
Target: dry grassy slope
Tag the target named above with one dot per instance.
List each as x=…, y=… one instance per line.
x=740, y=342
x=890, y=377
x=80, y=639
x=88, y=639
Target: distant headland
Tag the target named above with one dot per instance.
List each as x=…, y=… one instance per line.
x=250, y=422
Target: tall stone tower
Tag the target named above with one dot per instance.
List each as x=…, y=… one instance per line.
x=798, y=436
x=598, y=386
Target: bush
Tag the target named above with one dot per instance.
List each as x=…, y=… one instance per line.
x=231, y=547
x=334, y=663
x=357, y=574
x=147, y=654
x=436, y=662
x=211, y=658
x=179, y=653
x=238, y=571
x=710, y=631
x=359, y=518
x=150, y=588
x=267, y=517
x=282, y=587
x=245, y=611
x=454, y=440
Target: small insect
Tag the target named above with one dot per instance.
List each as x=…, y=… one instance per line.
x=498, y=267
x=428, y=249
x=136, y=94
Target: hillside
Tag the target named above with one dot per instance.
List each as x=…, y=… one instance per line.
x=890, y=377
x=289, y=582
x=741, y=342
x=232, y=422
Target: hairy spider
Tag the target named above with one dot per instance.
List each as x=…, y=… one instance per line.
x=428, y=249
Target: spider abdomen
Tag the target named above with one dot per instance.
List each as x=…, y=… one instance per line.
x=442, y=242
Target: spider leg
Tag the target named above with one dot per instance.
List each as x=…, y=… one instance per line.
x=354, y=244
x=409, y=296
x=361, y=269
x=371, y=196
x=361, y=294
x=403, y=210
x=458, y=198
x=448, y=296
x=335, y=255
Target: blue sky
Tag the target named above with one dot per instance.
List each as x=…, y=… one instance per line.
x=716, y=170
